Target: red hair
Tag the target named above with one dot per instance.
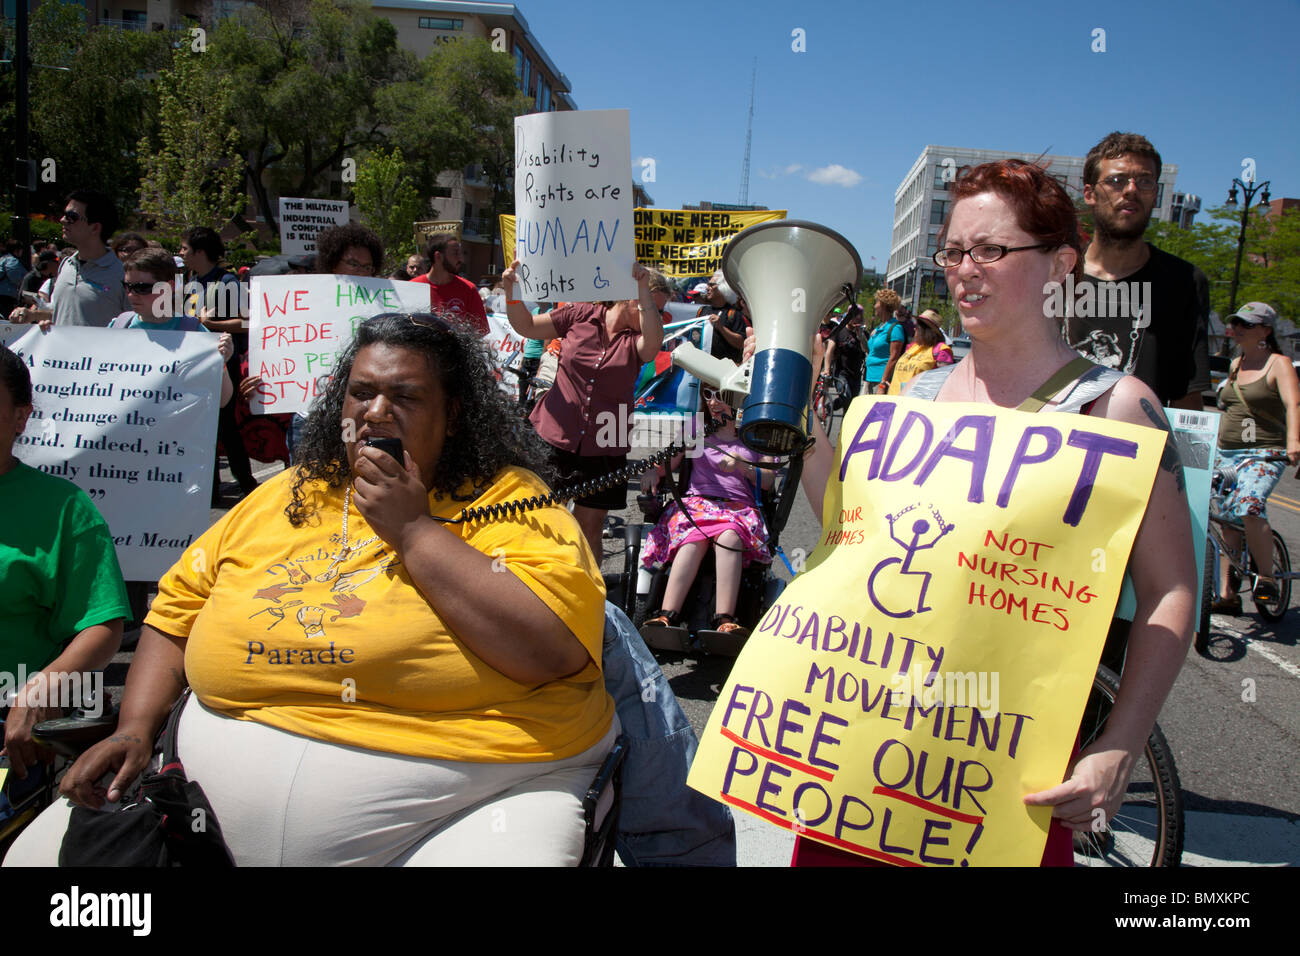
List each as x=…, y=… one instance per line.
x=1040, y=204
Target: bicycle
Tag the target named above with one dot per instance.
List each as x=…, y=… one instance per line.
x=1148, y=828
x=1240, y=561
x=830, y=392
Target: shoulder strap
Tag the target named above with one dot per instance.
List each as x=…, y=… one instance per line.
x=1063, y=377
x=926, y=385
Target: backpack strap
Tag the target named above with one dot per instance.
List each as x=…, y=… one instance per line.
x=1049, y=389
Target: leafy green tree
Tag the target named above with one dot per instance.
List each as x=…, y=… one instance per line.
x=91, y=99
x=308, y=76
x=193, y=172
x=388, y=203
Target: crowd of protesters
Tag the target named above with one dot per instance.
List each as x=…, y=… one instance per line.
x=120, y=281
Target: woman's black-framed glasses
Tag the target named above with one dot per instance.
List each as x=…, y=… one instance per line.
x=983, y=253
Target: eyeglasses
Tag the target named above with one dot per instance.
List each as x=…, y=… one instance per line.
x=1242, y=323
x=138, y=288
x=983, y=253
x=708, y=393
x=367, y=267
x=71, y=215
x=1118, y=183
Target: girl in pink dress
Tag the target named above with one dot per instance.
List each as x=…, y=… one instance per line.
x=723, y=514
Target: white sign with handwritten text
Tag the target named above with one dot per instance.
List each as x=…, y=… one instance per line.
x=298, y=326
x=573, y=206
x=130, y=417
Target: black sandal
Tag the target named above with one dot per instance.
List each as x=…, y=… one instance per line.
x=663, y=630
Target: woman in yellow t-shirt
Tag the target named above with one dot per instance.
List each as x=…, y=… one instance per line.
x=928, y=350
x=375, y=682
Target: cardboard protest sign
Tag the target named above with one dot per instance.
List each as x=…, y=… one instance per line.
x=507, y=347
x=930, y=667
x=1197, y=436
x=431, y=227
x=302, y=219
x=679, y=242
x=130, y=417
x=298, y=325
x=573, y=203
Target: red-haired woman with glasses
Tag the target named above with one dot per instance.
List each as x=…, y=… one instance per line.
x=1011, y=234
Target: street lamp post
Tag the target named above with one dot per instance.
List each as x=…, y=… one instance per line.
x=1249, y=188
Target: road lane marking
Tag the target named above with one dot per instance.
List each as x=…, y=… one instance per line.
x=1261, y=650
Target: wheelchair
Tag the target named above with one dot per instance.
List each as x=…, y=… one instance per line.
x=639, y=591
x=69, y=737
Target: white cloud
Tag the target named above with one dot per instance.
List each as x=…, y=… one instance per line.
x=835, y=175
x=781, y=171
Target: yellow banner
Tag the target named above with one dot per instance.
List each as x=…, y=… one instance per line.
x=423, y=230
x=679, y=242
x=930, y=667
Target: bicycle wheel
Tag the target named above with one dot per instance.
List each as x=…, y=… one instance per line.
x=1148, y=829
x=1273, y=610
x=824, y=409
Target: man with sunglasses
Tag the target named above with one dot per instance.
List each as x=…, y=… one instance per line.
x=88, y=288
x=1160, y=327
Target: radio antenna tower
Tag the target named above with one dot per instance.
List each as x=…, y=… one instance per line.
x=749, y=135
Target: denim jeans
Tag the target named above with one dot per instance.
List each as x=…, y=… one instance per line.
x=662, y=821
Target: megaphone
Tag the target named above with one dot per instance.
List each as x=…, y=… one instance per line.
x=789, y=273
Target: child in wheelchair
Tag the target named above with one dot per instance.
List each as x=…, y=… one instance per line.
x=723, y=515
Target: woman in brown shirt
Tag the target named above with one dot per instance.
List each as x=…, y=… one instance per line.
x=587, y=414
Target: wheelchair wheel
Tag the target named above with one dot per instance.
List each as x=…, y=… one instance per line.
x=1273, y=610
x=1148, y=829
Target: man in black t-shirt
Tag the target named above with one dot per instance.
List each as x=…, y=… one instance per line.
x=846, y=353
x=728, y=319
x=1138, y=309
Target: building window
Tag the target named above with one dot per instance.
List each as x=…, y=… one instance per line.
x=543, y=95
x=440, y=192
x=440, y=23
x=519, y=62
x=940, y=177
x=1160, y=195
x=938, y=210
x=527, y=75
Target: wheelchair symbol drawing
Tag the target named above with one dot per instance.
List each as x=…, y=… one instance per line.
x=600, y=282
x=922, y=535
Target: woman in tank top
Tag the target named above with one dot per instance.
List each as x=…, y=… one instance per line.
x=1260, y=425
x=1011, y=235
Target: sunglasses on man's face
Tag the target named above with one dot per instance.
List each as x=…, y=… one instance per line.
x=138, y=288
x=71, y=215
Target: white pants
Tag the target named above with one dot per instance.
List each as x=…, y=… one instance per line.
x=286, y=800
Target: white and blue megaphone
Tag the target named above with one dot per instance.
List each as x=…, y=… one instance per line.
x=790, y=273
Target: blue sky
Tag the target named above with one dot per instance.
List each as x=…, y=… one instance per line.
x=878, y=81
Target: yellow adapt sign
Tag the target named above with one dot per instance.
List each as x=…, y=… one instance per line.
x=930, y=667
x=679, y=242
